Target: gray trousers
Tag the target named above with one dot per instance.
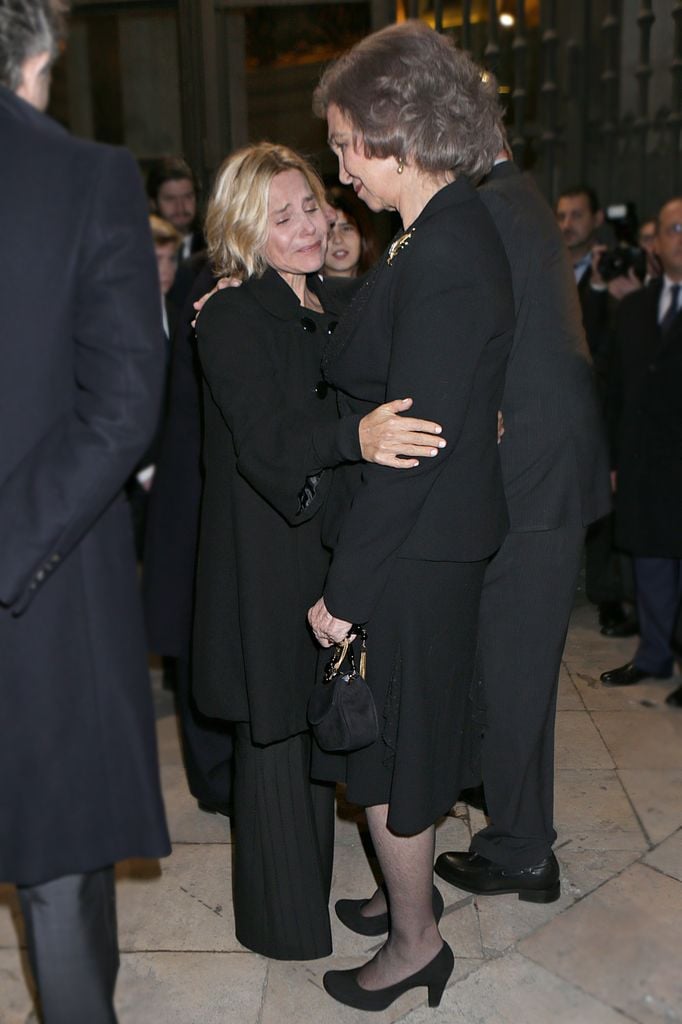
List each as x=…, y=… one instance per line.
x=73, y=946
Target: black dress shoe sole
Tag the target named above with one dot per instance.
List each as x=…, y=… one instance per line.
x=527, y=895
x=620, y=631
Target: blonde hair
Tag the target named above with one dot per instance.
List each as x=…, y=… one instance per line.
x=163, y=233
x=237, y=217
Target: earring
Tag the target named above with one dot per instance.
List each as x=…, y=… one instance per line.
x=401, y=166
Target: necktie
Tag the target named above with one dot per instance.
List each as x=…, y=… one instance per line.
x=672, y=310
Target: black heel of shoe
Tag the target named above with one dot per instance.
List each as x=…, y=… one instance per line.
x=348, y=912
x=345, y=988
x=436, y=993
x=541, y=895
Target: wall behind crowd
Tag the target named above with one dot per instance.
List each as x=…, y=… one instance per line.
x=590, y=94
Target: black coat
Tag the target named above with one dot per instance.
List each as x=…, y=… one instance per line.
x=173, y=515
x=82, y=369
x=554, y=452
x=434, y=322
x=261, y=561
x=646, y=427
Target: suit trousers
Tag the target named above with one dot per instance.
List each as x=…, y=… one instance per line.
x=528, y=594
x=283, y=850
x=73, y=946
x=659, y=595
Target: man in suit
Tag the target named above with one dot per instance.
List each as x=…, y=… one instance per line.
x=556, y=482
x=580, y=217
x=646, y=434
x=82, y=358
x=172, y=191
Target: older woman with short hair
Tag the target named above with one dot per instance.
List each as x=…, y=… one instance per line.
x=270, y=430
x=414, y=124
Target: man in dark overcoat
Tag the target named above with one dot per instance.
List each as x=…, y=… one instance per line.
x=646, y=432
x=580, y=218
x=555, y=470
x=82, y=363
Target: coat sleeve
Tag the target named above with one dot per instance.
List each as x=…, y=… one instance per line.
x=442, y=321
x=54, y=495
x=278, y=446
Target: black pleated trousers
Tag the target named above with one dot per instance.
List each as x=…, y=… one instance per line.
x=73, y=946
x=283, y=852
x=528, y=594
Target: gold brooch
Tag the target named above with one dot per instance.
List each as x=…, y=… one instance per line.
x=399, y=244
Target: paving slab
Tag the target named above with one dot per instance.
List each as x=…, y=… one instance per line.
x=186, y=823
x=593, y=812
x=656, y=795
x=186, y=905
x=15, y=1001
x=513, y=990
x=168, y=740
x=568, y=698
x=11, y=922
x=635, y=740
x=668, y=858
x=621, y=944
x=582, y=871
x=190, y=988
x=578, y=743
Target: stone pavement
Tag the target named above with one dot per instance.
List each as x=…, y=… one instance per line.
x=609, y=951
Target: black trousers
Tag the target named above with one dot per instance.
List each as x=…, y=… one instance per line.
x=527, y=598
x=73, y=946
x=283, y=851
x=608, y=572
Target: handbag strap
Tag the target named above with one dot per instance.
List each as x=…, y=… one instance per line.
x=345, y=649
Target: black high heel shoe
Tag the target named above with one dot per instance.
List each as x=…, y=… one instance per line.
x=348, y=912
x=344, y=987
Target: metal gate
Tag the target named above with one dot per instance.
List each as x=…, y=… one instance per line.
x=593, y=88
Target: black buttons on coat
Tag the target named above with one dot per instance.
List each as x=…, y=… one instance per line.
x=321, y=389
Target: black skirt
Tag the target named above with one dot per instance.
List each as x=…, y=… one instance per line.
x=421, y=650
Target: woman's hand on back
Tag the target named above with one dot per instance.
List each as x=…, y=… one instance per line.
x=391, y=439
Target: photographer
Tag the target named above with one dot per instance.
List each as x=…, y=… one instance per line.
x=646, y=435
x=600, y=288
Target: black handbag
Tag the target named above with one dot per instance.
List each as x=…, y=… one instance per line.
x=341, y=709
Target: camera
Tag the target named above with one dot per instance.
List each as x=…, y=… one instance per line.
x=619, y=261
x=626, y=255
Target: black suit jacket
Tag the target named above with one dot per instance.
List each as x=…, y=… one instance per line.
x=434, y=322
x=82, y=367
x=646, y=427
x=554, y=453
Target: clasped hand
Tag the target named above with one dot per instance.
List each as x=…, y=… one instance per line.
x=327, y=629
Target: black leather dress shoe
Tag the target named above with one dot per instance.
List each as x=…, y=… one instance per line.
x=627, y=675
x=674, y=699
x=629, y=627
x=473, y=873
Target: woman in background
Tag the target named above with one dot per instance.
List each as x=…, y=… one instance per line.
x=271, y=429
x=352, y=246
